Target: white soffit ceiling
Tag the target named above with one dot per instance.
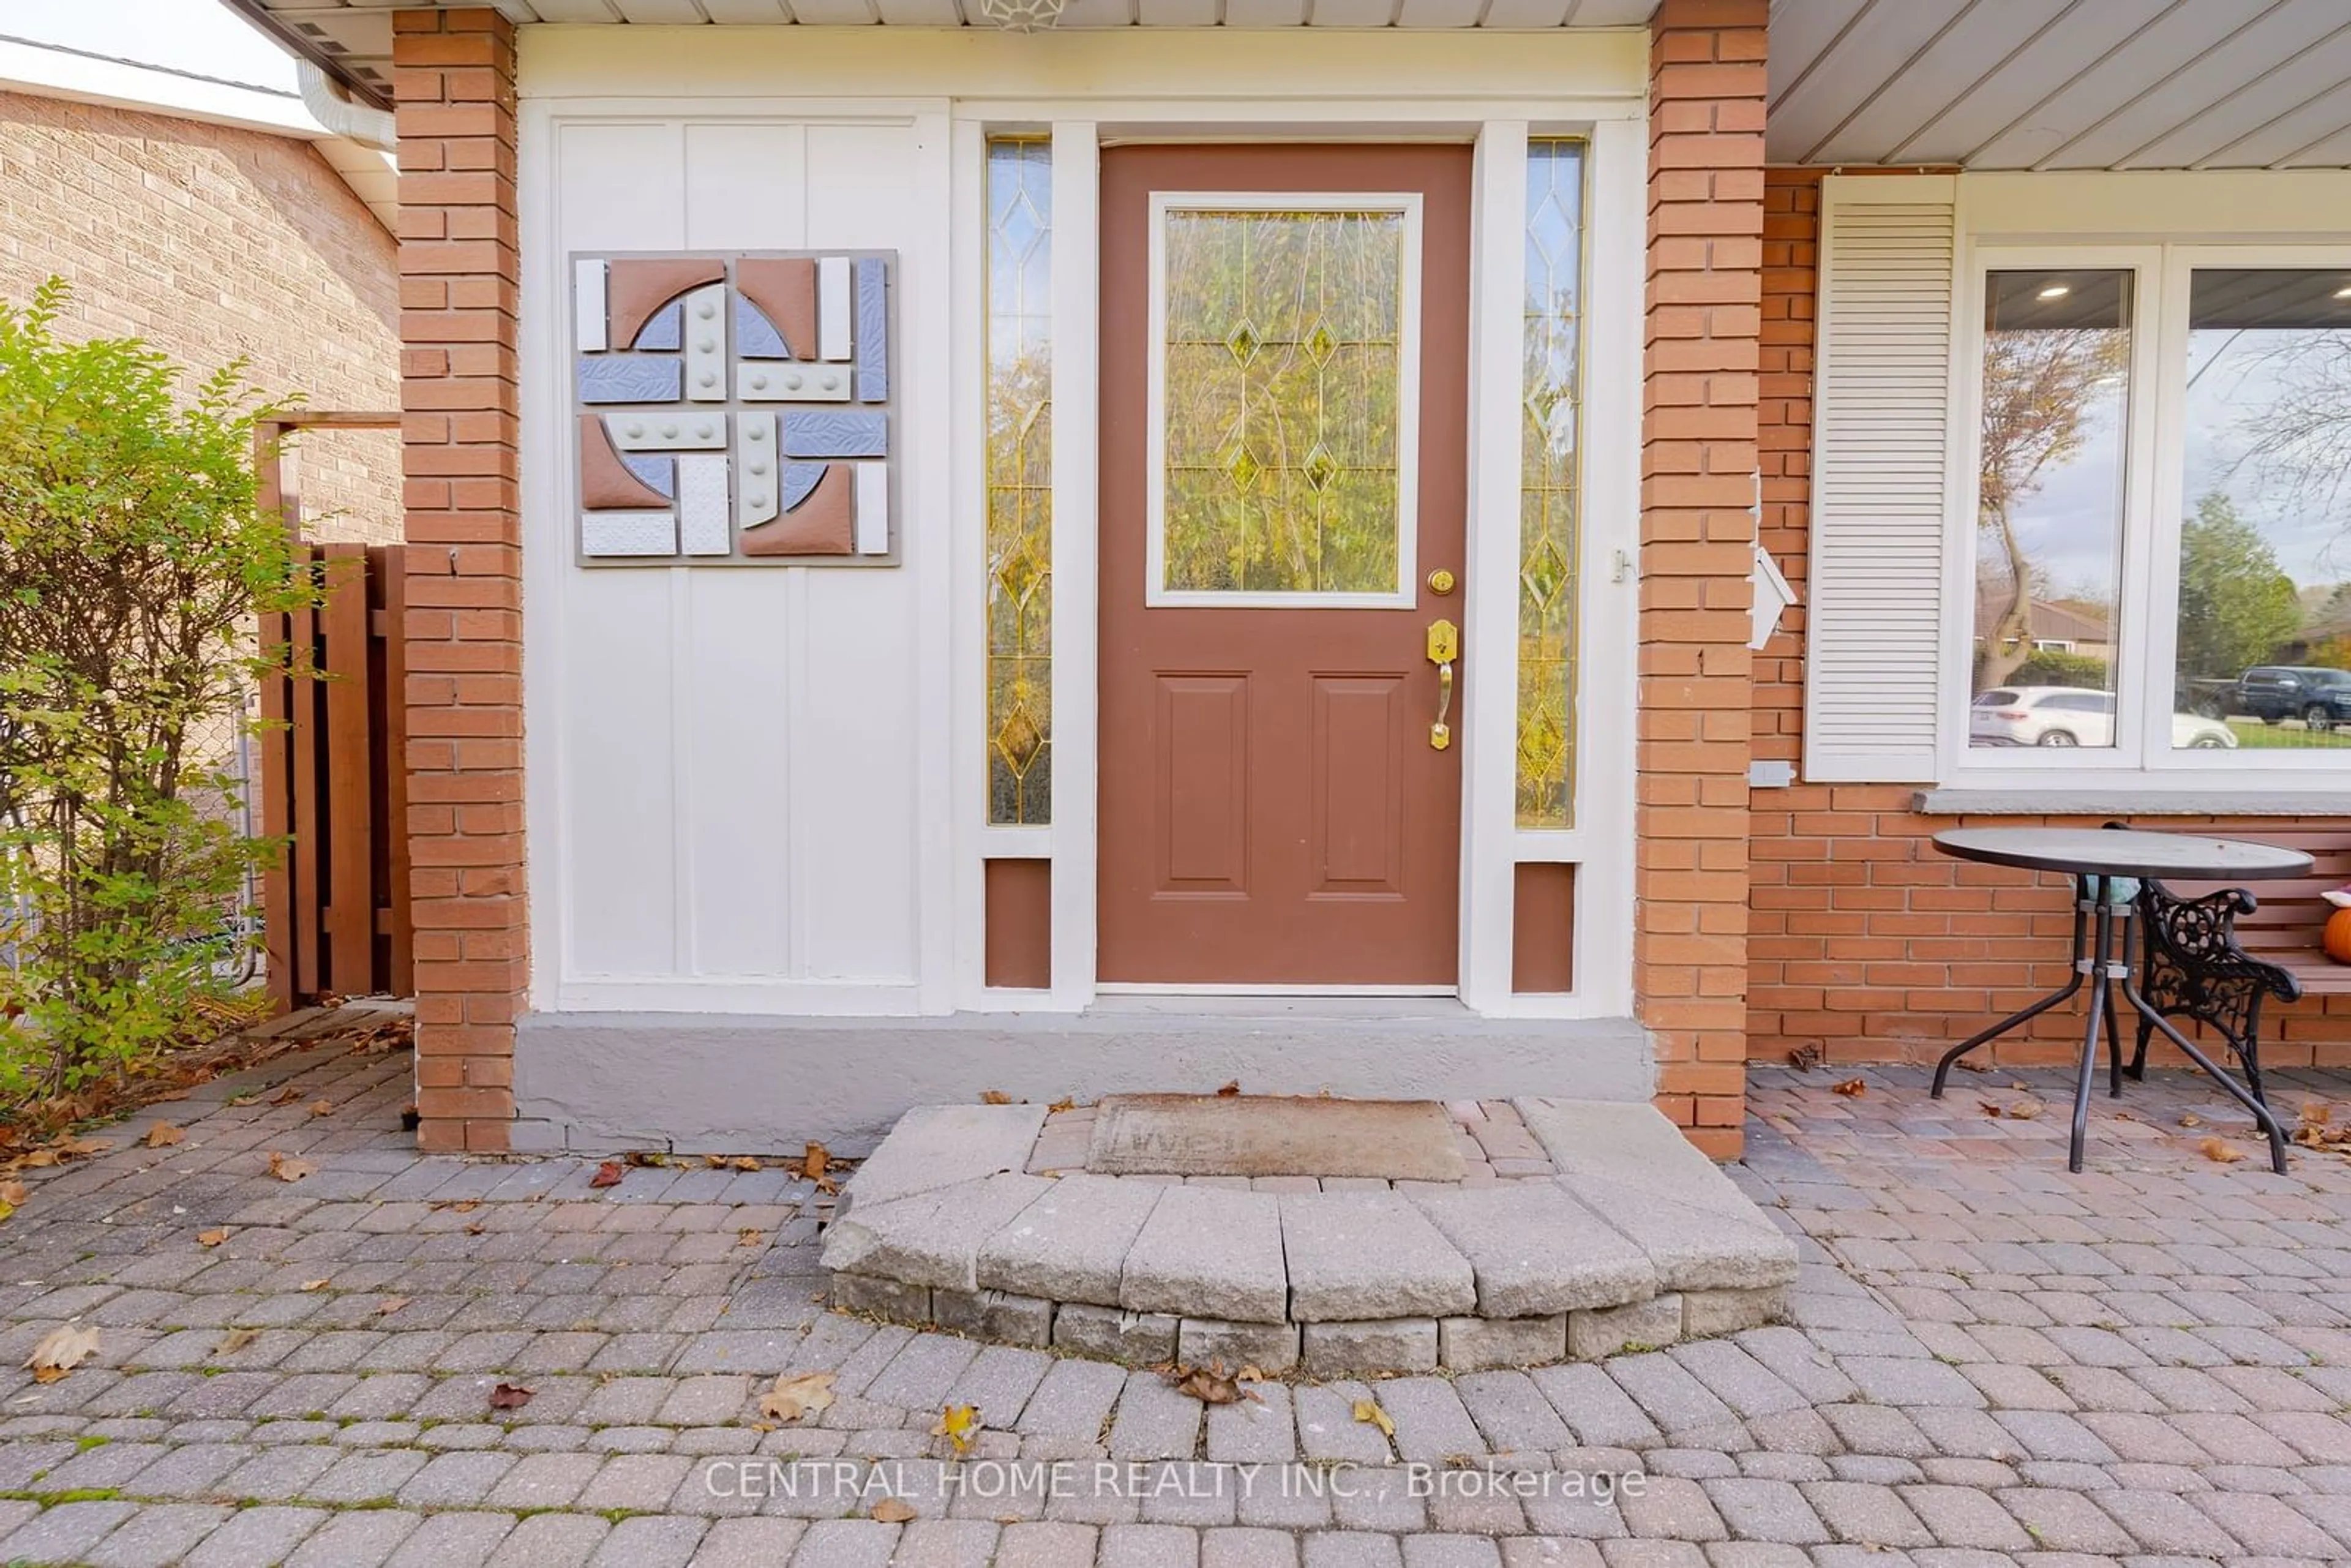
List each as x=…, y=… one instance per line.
x=353, y=37
x=2063, y=84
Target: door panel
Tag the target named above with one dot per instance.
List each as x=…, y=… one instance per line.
x=1358, y=827
x=1204, y=782
x=1284, y=399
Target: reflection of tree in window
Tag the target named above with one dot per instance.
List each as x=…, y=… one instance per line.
x=2056, y=347
x=2268, y=465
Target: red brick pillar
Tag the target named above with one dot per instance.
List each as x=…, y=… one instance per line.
x=1698, y=486
x=453, y=86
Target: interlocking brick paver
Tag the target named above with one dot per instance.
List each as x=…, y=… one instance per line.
x=1988, y=1360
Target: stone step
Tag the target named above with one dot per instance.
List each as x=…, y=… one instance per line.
x=1640, y=1241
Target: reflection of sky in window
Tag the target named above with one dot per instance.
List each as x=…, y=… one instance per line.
x=2070, y=526
x=2232, y=387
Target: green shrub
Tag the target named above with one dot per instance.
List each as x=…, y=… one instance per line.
x=133, y=556
x=2055, y=668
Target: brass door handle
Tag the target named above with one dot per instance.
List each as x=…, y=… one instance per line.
x=1444, y=647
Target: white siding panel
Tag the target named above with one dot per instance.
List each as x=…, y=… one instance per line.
x=735, y=750
x=1881, y=433
x=617, y=189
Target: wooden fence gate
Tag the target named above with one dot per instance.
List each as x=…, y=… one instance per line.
x=334, y=779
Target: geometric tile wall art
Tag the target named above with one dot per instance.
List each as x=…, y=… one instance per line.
x=734, y=408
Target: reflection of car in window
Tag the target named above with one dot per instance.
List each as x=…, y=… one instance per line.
x=2318, y=697
x=2071, y=715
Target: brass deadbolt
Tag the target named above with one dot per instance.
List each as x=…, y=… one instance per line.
x=1440, y=582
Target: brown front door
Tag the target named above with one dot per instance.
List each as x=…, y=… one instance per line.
x=1284, y=408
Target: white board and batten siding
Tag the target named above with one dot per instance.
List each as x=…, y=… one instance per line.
x=1883, y=443
x=736, y=768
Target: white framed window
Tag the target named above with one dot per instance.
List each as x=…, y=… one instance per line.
x=1284, y=399
x=2148, y=573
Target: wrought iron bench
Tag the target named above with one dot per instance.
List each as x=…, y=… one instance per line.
x=2192, y=967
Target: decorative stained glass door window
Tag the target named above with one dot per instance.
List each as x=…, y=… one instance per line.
x=1284, y=399
x=1019, y=481
x=1550, y=496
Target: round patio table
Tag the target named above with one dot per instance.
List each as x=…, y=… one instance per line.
x=2105, y=864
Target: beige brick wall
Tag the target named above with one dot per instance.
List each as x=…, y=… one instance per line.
x=211, y=243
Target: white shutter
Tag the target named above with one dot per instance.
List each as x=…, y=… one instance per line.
x=1881, y=439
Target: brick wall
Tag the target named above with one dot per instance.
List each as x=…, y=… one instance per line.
x=453, y=82
x=211, y=243
x=1863, y=941
x=1698, y=479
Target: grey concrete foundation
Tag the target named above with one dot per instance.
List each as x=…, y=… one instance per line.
x=707, y=1082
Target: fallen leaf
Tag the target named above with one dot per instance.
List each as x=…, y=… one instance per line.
x=1991, y=1108
x=793, y=1396
x=1209, y=1385
x=749, y=1236
x=243, y=1099
x=1065, y=1104
x=211, y=1237
x=12, y=1192
x=475, y=1228
x=322, y=1107
x=1249, y=1375
x=510, y=1397
x=2024, y=1109
x=714, y=1162
x=74, y=1148
x=892, y=1511
x=1229, y=1089
x=813, y=1163
x=235, y=1340
x=1804, y=1058
x=744, y=1163
x=6, y=1210
x=457, y=1205
x=1852, y=1088
x=2219, y=1153
x=1969, y=1065
x=286, y=1096
x=389, y=1306
x=42, y=1158
x=959, y=1425
x=162, y=1136
x=288, y=1169
x=1369, y=1413
x=314, y=1285
x=644, y=1157
x=2191, y=1120
x=996, y=1097
x=2315, y=1113
x=607, y=1175
x=61, y=1350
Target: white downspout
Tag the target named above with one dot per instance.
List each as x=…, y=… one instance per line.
x=333, y=108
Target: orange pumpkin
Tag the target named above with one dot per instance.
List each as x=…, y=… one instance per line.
x=2337, y=940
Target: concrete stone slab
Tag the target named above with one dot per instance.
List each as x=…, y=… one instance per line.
x=1113, y=1333
x=931, y=1237
x=1691, y=1247
x=1070, y=1245
x=996, y=1316
x=1273, y=1135
x=1380, y=1344
x=1536, y=1250
x=1271, y=1348
x=1209, y=1253
x=939, y=1145
x=1630, y=1142
x=1609, y=1331
x=1477, y=1344
x=1357, y=1256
